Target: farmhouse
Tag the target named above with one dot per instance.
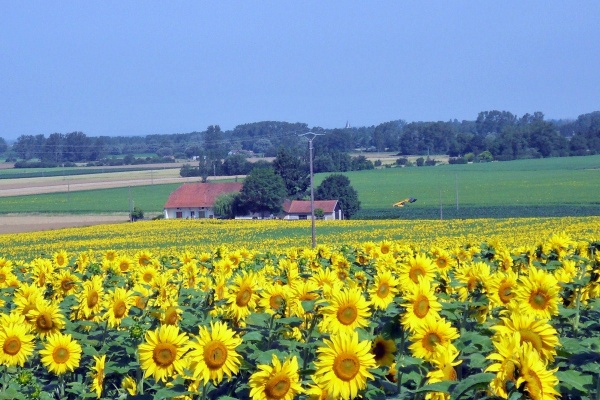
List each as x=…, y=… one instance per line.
x=300, y=209
x=196, y=200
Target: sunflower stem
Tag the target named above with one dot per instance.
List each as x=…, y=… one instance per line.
x=313, y=323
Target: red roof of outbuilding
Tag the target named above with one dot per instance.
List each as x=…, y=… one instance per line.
x=303, y=206
x=200, y=194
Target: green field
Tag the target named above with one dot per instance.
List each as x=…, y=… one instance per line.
x=17, y=173
x=540, y=187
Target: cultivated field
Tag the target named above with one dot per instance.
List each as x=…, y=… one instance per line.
x=544, y=187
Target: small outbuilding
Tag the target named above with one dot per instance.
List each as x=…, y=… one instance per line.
x=196, y=200
x=300, y=209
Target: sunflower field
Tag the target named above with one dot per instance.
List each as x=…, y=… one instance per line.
x=508, y=314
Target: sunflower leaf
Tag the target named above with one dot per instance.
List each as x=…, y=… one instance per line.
x=574, y=379
x=443, y=386
x=472, y=382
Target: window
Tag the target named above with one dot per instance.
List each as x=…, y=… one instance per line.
x=178, y=214
x=302, y=216
x=193, y=214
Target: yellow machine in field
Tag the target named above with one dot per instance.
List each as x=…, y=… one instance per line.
x=402, y=203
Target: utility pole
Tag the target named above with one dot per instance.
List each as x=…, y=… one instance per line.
x=310, y=136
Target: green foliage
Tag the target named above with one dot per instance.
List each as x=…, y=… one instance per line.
x=337, y=187
x=136, y=214
x=293, y=171
x=263, y=192
x=223, y=206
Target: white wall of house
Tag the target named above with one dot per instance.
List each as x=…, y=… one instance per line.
x=326, y=216
x=189, y=213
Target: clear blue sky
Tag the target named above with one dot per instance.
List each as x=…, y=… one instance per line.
x=145, y=67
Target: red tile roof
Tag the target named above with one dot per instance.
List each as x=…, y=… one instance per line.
x=200, y=194
x=303, y=206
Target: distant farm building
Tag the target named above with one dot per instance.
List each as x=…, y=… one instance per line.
x=196, y=200
x=300, y=209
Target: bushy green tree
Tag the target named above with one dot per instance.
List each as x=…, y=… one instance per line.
x=223, y=206
x=293, y=171
x=337, y=187
x=263, y=192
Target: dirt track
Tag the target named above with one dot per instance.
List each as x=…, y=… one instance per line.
x=38, y=222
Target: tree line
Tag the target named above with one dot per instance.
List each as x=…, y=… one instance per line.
x=503, y=134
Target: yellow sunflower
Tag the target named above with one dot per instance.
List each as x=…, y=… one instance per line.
x=46, y=318
x=161, y=355
x=61, y=258
x=242, y=296
x=144, y=258
x=214, y=353
x=171, y=315
x=506, y=362
x=89, y=299
x=6, y=277
x=274, y=298
x=384, y=351
x=415, y=267
x=538, y=294
x=278, y=382
x=421, y=302
x=61, y=353
x=16, y=344
x=130, y=385
x=383, y=290
x=429, y=334
x=472, y=277
x=534, y=378
x=97, y=375
x=539, y=333
x=444, y=359
x=146, y=274
x=123, y=265
x=27, y=302
x=501, y=288
x=347, y=310
x=443, y=261
x=65, y=283
x=343, y=365
x=117, y=304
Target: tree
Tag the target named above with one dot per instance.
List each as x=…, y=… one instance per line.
x=136, y=214
x=3, y=145
x=263, y=192
x=223, y=205
x=337, y=187
x=293, y=171
x=236, y=164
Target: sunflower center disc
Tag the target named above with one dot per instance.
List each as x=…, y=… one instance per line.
x=379, y=350
x=276, y=302
x=164, y=354
x=215, y=354
x=12, y=346
x=415, y=273
x=243, y=297
x=278, y=386
x=67, y=285
x=421, y=306
x=44, y=322
x=120, y=309
x=92, y=299
x=60, y=355
x=383, y=290
x=505, y=294
x=539, y=301
x=347, y=314
x=346, y=366
x=430, y=340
